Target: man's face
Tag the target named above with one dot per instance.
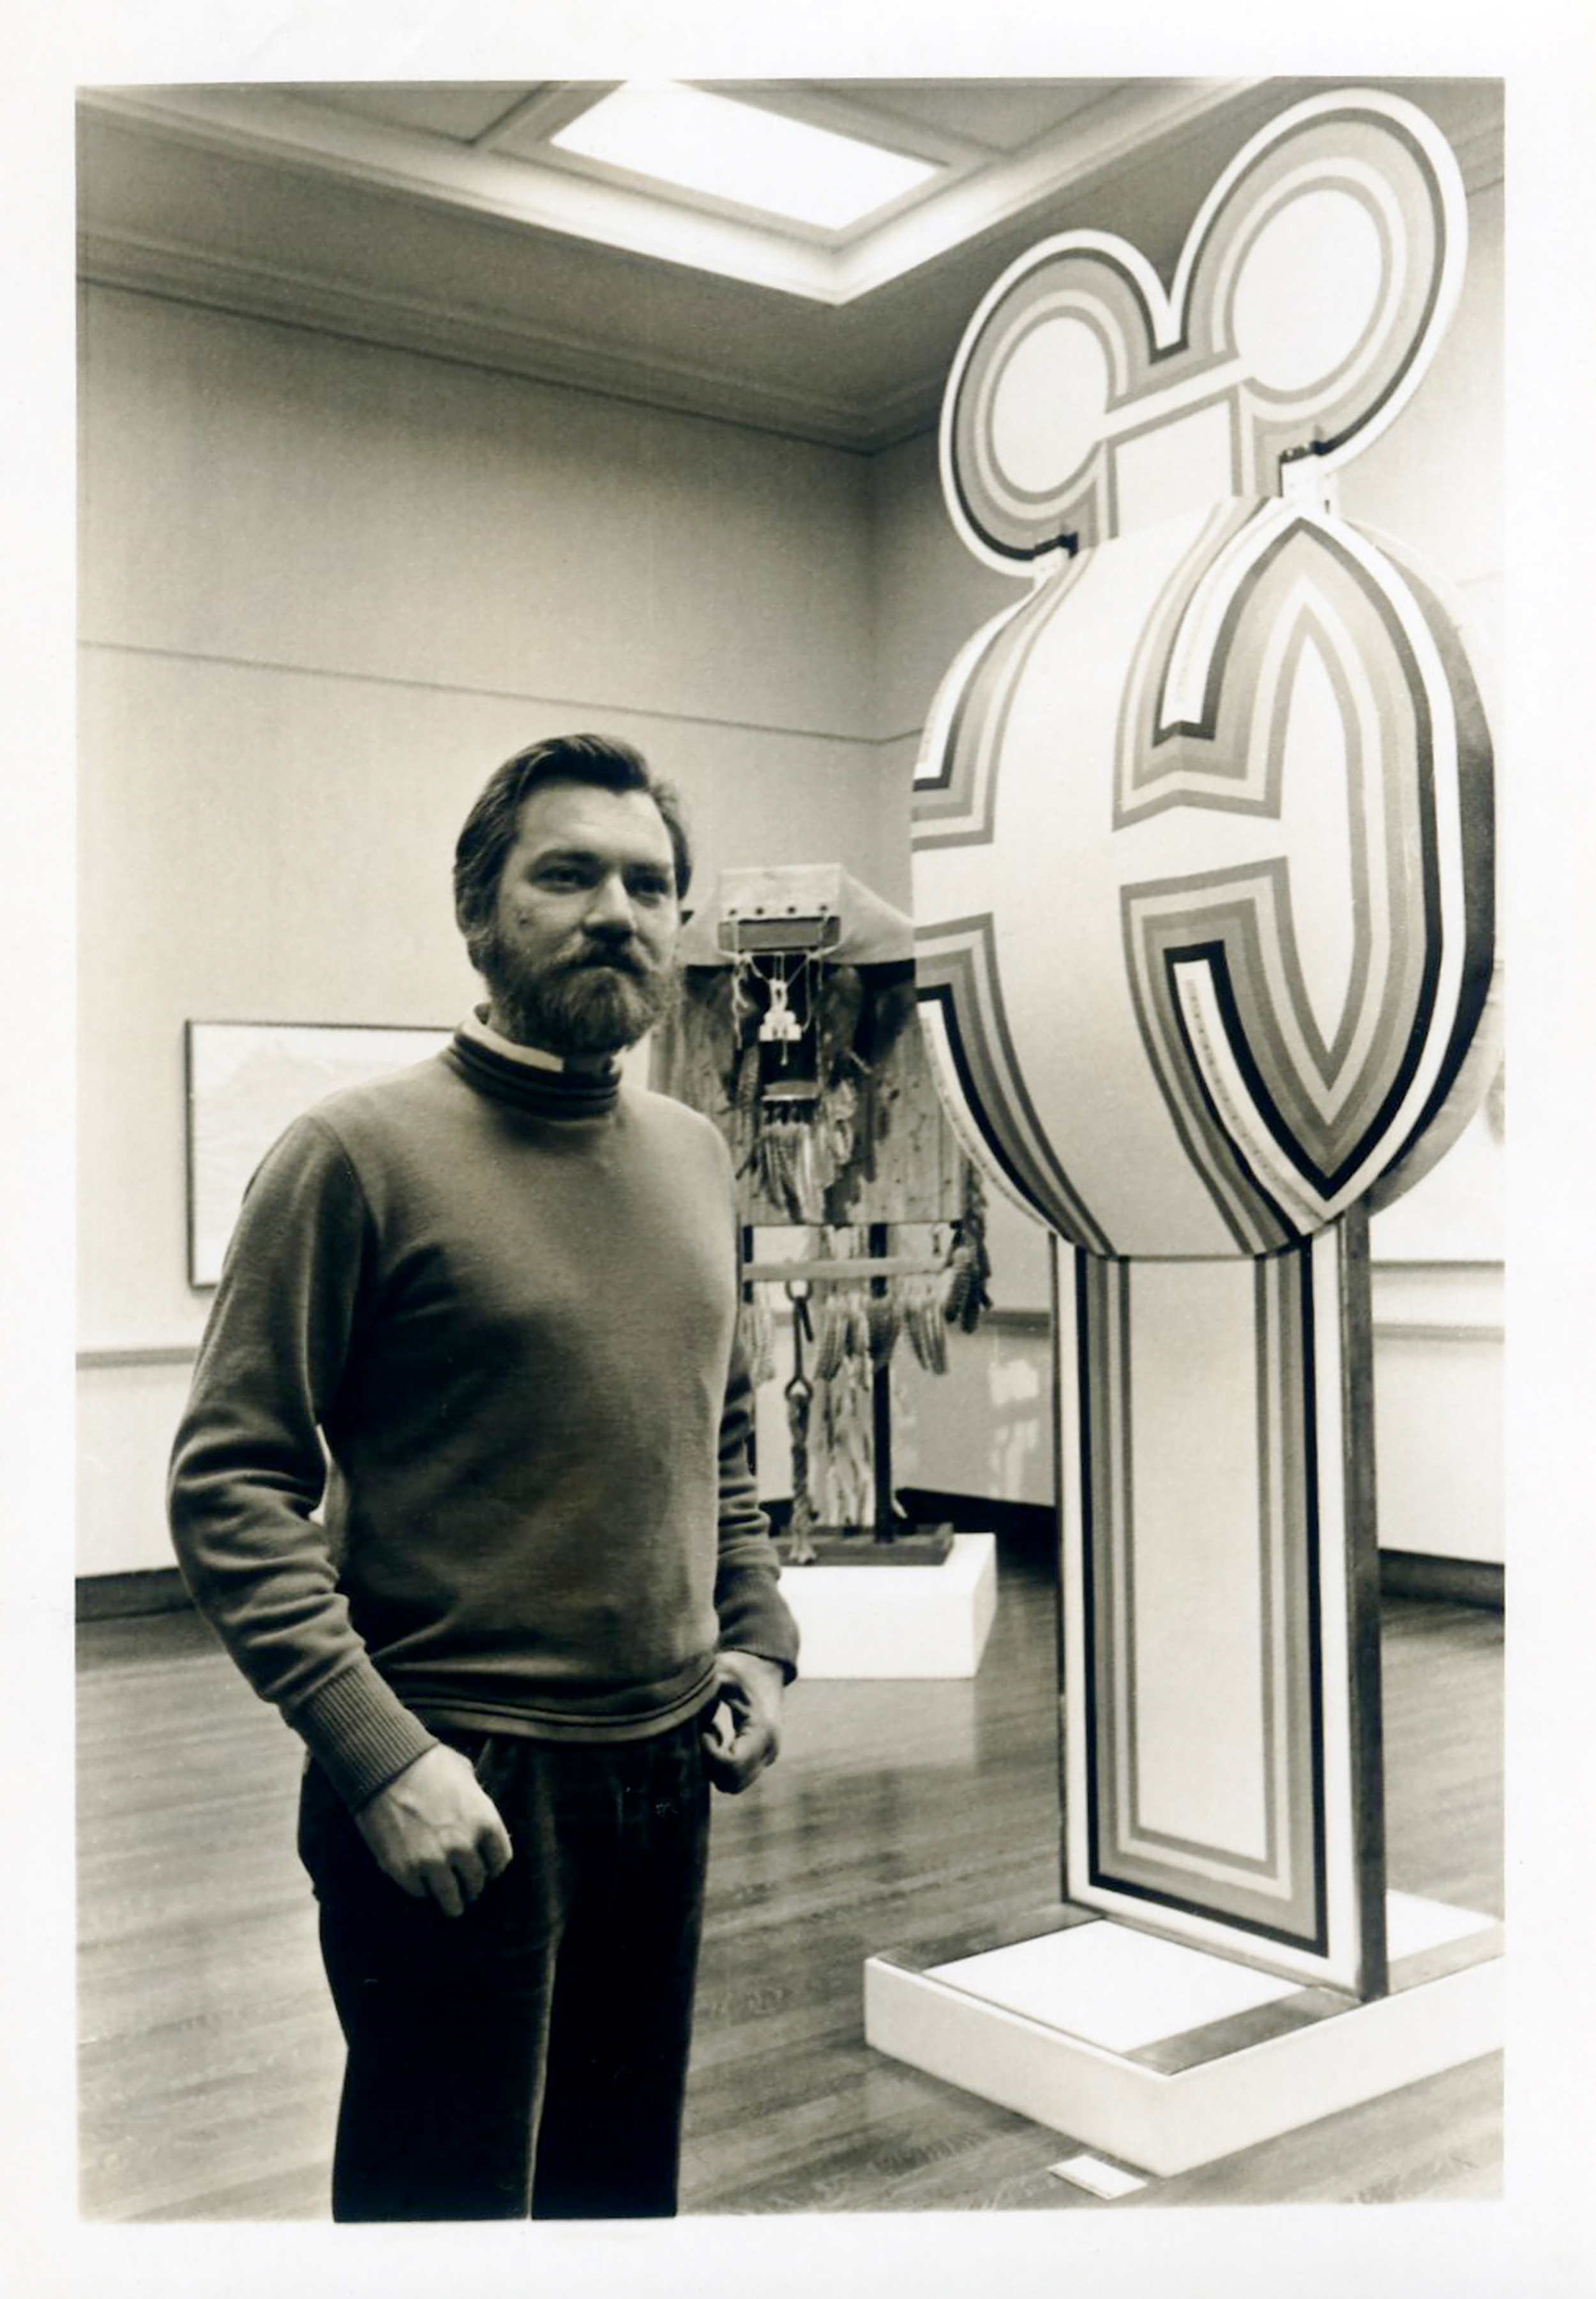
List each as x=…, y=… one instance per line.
x=580, y=958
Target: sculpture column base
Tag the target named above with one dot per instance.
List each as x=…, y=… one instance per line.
x=1167, y=2056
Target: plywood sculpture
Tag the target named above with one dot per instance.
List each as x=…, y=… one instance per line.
x=1202, y=890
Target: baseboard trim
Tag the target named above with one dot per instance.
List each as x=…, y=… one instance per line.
x=1019, y=1521
x=1403, y=1572
x=121, y=1596
x=1451, y=1579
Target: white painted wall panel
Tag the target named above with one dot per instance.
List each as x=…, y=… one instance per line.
x=325, y=589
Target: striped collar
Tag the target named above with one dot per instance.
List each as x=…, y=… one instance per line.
x=475, y=1027
x=524, y=1078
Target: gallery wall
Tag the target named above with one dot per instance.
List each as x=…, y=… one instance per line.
x=325, y=587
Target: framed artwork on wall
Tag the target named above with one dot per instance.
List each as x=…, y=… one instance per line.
x=245, y=1081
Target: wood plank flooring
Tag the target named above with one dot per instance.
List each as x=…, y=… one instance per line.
x=898, y=1812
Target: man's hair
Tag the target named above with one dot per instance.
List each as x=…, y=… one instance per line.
x=491, y=826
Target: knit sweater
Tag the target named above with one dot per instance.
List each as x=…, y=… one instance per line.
x=480, y=1317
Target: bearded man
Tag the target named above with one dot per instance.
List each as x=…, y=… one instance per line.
x=480, y=1317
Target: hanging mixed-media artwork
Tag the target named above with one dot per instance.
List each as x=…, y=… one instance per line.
x=797, y=1035
x=1203, y=904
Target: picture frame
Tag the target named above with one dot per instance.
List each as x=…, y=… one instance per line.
x=244, y=1083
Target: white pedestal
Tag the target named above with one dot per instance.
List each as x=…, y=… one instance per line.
x=895, y=1621
x=1167, y=2056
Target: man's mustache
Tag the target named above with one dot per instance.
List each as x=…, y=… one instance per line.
x=623, y=957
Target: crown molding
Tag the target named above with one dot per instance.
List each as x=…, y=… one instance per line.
x=1478, y=151
x=437, y=330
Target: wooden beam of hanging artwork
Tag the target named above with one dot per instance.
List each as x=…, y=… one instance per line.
x=1203, y=889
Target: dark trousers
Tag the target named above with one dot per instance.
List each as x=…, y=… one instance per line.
x=529, y=2056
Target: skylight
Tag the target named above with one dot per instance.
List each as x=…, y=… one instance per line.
x=705, y=142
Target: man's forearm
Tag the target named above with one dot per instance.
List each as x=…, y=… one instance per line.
x=247, y=1468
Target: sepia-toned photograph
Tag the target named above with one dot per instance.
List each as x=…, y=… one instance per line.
x=790, y=1422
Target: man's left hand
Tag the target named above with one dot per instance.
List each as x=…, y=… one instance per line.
x=744, y=1732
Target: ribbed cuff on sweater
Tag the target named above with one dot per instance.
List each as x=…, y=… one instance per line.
x=360, y=1732
x=754, y=1618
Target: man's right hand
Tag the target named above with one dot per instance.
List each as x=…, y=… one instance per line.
x=433, y=1829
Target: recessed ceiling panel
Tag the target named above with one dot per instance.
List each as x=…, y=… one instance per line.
x=1002, y=113
x=698, y=140
x=461, y=110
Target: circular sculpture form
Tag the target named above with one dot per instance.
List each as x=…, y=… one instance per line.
x=1202, y=880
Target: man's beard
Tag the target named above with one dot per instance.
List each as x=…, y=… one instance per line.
x=597, y=1001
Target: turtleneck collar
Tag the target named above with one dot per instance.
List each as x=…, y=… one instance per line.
x=530, y=1077
x=477, y=1025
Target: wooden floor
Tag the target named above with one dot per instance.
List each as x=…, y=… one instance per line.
x=898, y=1812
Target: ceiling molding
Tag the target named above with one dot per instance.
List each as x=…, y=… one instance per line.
x=549, y=105
x=852, y=112
x=1479, y=155
x=437, y=330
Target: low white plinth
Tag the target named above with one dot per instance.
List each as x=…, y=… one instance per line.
x=896, y=1621
x=1066, y=2029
